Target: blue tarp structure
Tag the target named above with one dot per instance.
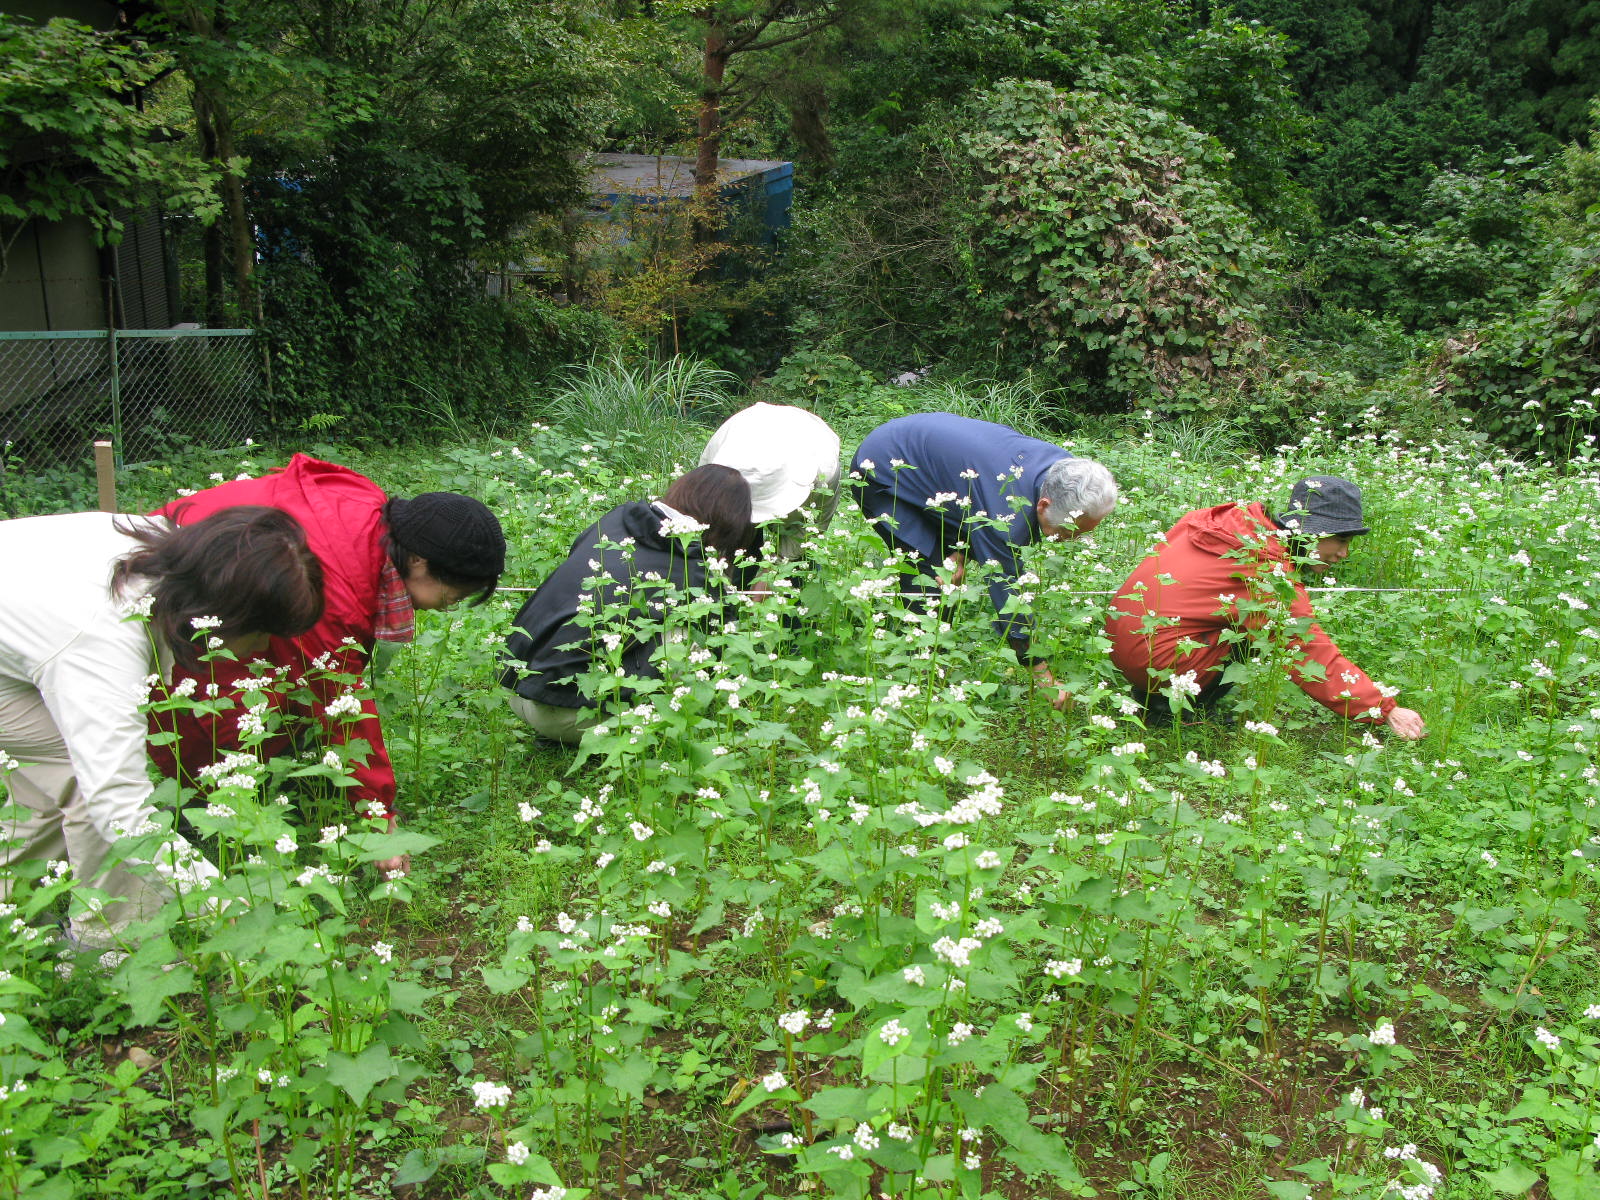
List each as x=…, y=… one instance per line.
x=764, y=185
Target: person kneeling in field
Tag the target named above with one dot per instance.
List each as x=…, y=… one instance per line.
x=75, y=662
x=1172, y=625
x=628, y=560
x=383, y=559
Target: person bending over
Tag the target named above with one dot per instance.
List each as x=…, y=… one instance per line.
x=790, y=459
x=628, y=560
x=383, y=559
x=1173, y=623
x=75, y=663
x=949, y=489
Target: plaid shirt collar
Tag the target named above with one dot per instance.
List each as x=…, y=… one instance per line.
x=397, y=619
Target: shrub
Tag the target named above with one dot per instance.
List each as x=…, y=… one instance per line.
x=1110, y=246
x=1533, y=378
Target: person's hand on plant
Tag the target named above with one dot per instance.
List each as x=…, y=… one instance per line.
x=958, y=568
x=1043, y=677
x=1406, y=723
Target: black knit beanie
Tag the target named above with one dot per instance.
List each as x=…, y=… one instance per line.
x=456, y=534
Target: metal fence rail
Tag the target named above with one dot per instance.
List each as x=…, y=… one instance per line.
x=150, y=392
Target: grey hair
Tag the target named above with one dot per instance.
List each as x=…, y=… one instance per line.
x=1079, y=485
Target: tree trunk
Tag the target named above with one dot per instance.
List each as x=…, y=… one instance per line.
x=714, y=66
x=241, y=243
x=211, y=239
x=215, y=126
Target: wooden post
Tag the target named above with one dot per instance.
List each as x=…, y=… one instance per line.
x=105, y=475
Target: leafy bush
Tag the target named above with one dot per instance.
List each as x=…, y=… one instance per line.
x=1533, y=378
x=1109, y=244
x=1472, y=254
x=406, y=358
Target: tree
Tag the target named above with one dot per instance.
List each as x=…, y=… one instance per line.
x=736, y=40
x=75, y=139
x=405, y=149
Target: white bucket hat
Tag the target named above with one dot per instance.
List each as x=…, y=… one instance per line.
x=784, y=453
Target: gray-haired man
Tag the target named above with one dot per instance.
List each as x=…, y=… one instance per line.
x=949, y=488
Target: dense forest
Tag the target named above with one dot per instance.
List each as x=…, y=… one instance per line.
x=1177, y=206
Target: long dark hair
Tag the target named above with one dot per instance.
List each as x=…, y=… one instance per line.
x=719, y=498
x=248, y=565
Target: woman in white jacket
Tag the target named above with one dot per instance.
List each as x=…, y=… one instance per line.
x=76, y=661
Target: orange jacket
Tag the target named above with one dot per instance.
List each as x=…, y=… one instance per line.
x=1189, y=590
x=342, y=513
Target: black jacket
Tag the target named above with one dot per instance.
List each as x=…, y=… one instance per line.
x=548, y=649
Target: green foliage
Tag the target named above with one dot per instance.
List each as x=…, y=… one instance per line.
x=395, y=156
x=1471, y=253
x=1110, y=246
x=899, y=261
x=640, y=408
x=72, y=144
x=1533, y=378
x=1402, y=91
x=1222, y=75
x=397, y=356
x=617, y=394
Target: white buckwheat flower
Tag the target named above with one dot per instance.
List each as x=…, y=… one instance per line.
x=490, y=1095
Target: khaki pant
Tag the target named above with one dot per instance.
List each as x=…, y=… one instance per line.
x=51, y=821
x=564, y=725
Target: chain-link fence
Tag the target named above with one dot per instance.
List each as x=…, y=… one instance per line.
x=150, y=392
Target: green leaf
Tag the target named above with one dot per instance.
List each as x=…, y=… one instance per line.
x=422, y=1164
x=630, y=1076
x=877, y=1051
x=359, y=1075
x=839, y=1103
x=500, y=980
x=1031, y=1149
x=373, y=847
x=1513, y=1179
x=1570, y=1178
x=408, y=997
x=149, y=976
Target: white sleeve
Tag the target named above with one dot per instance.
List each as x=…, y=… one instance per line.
x=93, y=688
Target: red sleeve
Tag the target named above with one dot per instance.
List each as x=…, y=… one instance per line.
x=1335, y=683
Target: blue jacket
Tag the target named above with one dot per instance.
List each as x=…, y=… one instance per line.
x=948, y=460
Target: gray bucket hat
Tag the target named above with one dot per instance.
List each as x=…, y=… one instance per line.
x=1325, y=506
